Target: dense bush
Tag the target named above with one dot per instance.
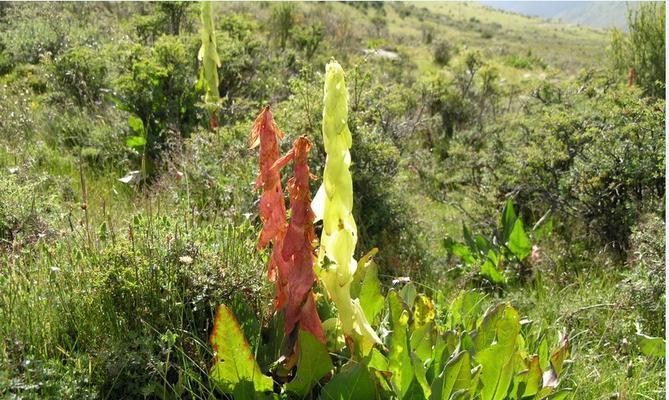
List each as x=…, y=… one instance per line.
x=157, y=85
x=642, y=51
x=644, y=286
x=82, y=72
x=442, y=53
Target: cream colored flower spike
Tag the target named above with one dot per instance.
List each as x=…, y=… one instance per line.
x=334, y=204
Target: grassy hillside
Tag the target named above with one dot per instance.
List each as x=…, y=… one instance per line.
x=128, y=211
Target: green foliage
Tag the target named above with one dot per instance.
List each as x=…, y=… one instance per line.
x=509, y=243
x=157, y=86
x=314, y=363
x=644, y=285
x=308, y=38
x=82, y=72
x=442, y=53
x=643, y=48
x=234, y=370
x=282, y=22
x=525, y=62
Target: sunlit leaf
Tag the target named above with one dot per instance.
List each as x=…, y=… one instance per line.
x=351, y=383
x=136, y=125
x=508, y=220
x=399, y=357
x=519, y=242
x=235, y=369
x=135, y=142
x=455, y=376
x=651, y=346
x=313, y=364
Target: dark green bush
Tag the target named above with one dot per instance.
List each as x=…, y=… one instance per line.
x=82, y=73
x=442, y=53
x=157, y=85
x=644, y=285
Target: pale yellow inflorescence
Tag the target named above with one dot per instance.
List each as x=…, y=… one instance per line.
x=334, y=204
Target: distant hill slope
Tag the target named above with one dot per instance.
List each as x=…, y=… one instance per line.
x=598, y=14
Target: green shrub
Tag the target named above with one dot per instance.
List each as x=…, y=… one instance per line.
x=157, y=85
x=643, y=49
x=644, y=285
x=442, y=53
x=82, y=73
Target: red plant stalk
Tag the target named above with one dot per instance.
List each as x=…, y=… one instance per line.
x=267, y=134
x=298, y=246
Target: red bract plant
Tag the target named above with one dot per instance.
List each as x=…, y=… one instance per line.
x=298, y=245
x=267, y=134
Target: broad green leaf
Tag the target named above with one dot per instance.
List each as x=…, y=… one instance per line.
x=235, y=370
x=497, y=361
x=651, y=346
x=469, y=240
x=377, y=361
x=408, y=294
x=399, y=358
x=136, y=125
x=459, y=250
x=486, y=330
x=465, y=309
x=489, y=269
x=371, y=299
x=352, y=383
x=519, y=242
x=420, y=375
x=313, y=364
x=544, y=359
x=560, y=394
x=422, y=341
x=475, y=382
x=136, y=142
x=455, y=376
x=483, y=244
x=508, y=220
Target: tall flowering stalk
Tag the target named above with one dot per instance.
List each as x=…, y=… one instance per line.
x=334, y=204
x=208, y=55
x=267, y=134
x=298, y=245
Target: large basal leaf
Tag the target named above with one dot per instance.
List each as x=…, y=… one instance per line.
x=489, y=269
x=519, y=242
x=399, y=357
x=313, y=364
x=533, y=379
x=651, y=346
x=508, y=220
x=465, y=309
x=370, y=297
x=135, y=142
x=352, y=383
x=497, y=361
x=136, y=125
x=455, y=376
x=235, y=370
x=459, y=250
